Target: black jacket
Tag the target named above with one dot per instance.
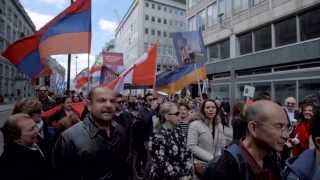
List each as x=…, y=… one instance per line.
x=85, y=152
x=19, y=162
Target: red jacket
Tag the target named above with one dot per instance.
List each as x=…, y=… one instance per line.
x=302, y=130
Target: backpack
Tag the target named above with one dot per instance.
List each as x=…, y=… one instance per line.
x=235, y=151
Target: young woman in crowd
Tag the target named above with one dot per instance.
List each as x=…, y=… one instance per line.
x=301, y=133
x=206, y=137
x=170, y=158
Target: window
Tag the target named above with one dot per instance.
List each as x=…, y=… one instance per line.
x=222, y=8
x=2, y=26
x=262, y=38
x=220, y=91
x=147, y=4
x=146, y=17
x=170, y=10
x=170, y=22
x=262, y=88
x=9, y=33
x=225, y=49
x=245, y=43
x=15, y=21
x=164, y=21
x=220, y=50
x=214, y=51
x=159, y=7
x=286, y=32
x=146, y=31
x=181, y=13
x=193, y=23
x=164, y=34
x=152, y=32
x=165, y=9
x=1, y=47
x=152, y=6
x=10, y=14
x=159, y=20
x=153, y=19
x=240, y=5
x=212, y=14
x=159, y=33
x=283, y=90
x=310, y=24
x=307, y=87
x=256, y=2
x=202, y=20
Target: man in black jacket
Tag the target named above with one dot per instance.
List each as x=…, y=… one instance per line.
x=96, y=148
x=254, y=157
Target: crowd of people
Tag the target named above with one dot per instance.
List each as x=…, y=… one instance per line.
x=108, y=136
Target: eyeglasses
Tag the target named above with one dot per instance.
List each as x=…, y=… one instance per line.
x=174, y=114
x=280, y=127
x=291, y=104
x=120, y=102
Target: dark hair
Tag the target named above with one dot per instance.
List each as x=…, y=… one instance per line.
x=263, y=96
x=304, y=105
x=184, y=105
x=215, y=117
x=146, y=95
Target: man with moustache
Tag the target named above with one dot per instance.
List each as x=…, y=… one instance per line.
x=254, y=157
x=96, y=148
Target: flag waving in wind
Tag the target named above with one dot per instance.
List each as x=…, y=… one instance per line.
x=142, y=73
x=69, y=32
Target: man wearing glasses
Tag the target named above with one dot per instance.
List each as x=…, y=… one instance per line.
x=267, y=132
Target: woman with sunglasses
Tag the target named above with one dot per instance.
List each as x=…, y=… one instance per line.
x=206, y=136
x=170, y=158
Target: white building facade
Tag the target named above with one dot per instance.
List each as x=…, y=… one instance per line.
x=14, y=24
x=272, y=45
x=147, y=22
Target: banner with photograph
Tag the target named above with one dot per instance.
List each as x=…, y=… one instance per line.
x=189, y=47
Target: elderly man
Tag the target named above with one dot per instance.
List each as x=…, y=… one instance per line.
x=267, y=132
x=96, y=148
x=290, y=106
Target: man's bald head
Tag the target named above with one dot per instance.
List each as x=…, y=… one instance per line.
x=259, y=110
x=267, y=125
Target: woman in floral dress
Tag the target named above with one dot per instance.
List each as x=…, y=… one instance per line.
x=171, y=160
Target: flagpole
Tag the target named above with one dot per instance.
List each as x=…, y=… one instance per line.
x=89, y=74
x=69, y=66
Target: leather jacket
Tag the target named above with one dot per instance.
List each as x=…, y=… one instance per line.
x=87, y=153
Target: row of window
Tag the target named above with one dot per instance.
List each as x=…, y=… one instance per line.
x=164, y=50
x=285, y=32
x=165, y=9
x=164, y=21
x=6, y=71
x=153, y=32
x=219, y=9
x=280, y=90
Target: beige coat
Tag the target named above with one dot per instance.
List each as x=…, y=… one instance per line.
x=201, y=143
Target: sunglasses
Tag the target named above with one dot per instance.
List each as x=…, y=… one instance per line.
x=175, y=114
